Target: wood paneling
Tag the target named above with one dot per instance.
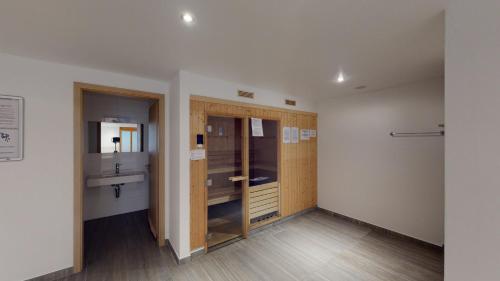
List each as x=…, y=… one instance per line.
x=313, y=163
x=297, y=162
x=198, y=190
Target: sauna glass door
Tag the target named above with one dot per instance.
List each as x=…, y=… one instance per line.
x=263, y=170
x=225, y=179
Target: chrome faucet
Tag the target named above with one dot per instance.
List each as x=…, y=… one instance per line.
x=117, y=168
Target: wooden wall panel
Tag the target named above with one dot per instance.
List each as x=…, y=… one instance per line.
x=297, y=163
x=286, y=171
x=198, y=196
x=313, y=164
x=303, y=188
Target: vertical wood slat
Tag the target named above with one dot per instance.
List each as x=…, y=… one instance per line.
x=246, y=172
x=313, y=154
x=198, y=196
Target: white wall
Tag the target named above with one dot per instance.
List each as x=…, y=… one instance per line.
x=395, y=183
x=175, y=176
x=472, y=98
x=36, y=202
x=184, y=85
x=101, y=201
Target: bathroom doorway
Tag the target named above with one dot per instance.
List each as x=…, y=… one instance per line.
x=131, y=136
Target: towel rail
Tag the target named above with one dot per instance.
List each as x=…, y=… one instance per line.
x=417, y=134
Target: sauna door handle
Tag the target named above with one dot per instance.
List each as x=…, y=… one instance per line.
x=238, y=178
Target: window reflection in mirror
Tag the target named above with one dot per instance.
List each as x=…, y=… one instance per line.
x=106, y=137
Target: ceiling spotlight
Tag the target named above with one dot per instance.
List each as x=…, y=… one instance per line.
x=187, y=18
x=340, y=78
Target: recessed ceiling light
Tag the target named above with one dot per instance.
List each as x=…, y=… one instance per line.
x=340, y=78
x=187, y=18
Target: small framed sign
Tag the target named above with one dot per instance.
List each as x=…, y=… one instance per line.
x=11, y=128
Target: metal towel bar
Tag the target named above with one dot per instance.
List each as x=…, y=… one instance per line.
x=417, y=134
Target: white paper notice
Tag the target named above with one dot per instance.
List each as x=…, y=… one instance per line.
x=286, y=134
x=9, y=113
x=197, y=154
x=312, y=133
x=10, y=128
x=257, y=130
x=295, y=135
x=304, y=134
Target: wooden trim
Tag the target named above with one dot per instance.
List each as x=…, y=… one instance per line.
x=161, y=172
x=246, y=172
x=78, y=154
x=114, y=91
x=251, y=105
x=78, y=179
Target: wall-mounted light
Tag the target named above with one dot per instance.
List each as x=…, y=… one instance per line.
x=340, y=77
x=187, y=18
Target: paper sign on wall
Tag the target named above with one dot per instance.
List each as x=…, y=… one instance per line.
x=304, y=134
x=295, y=135
x=257, y=130
x=286, y=134
x=197, y=154
x=11, y=128
x=312, y=133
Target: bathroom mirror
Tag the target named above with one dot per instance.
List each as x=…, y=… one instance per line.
x=108, y=137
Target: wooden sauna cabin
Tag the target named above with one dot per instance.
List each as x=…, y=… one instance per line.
x=250, y=176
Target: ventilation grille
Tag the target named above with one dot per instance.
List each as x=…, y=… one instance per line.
x=244, y=94
x=264, y=217
x=290, y=102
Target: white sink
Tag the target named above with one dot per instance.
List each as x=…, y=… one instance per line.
x=111, y=178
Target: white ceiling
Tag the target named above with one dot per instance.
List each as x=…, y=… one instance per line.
x=290, y=46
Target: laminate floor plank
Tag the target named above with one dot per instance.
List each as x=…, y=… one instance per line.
x=314, y=246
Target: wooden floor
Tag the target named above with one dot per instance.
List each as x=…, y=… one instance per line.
x=315, y=246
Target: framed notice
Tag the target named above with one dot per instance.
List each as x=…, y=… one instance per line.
x=295, y=135
x=286, y=135
x=304, y=134
x=11, y=128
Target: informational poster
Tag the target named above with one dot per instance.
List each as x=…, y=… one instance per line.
x=197, y=154
x=304, y=134
x=295, y=135
x=257, y=130
x=286, y=134
x=312, y=133
x=11, y=128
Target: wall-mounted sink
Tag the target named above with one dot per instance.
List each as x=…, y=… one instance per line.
x=108, y=179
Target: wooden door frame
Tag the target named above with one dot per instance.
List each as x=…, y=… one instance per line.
x=78, y=185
